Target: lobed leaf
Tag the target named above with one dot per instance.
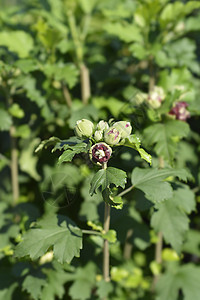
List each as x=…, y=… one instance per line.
x=165, y=137
x=54, y=231
x=151, y=182
x=103, y=178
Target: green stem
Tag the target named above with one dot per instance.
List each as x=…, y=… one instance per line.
x=159, y=244
x=91, y=232
x=152, y=75
x=125, y=191
x=14, y=166
x=67, y=95
x=106, y=254
x=78, y=43
x=75, y=36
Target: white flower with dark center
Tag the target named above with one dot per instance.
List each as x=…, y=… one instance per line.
x=100, y=153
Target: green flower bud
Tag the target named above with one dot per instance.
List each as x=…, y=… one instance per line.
x=124, y=128
x=156, y=97
x=112, y=136
x=98, y=135
x=102, y=125
x=84, y=128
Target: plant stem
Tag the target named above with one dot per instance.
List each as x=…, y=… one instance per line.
x=85, y=83
x=67, y=95
x=14, y=166
x=91, y=232
x=152, y=75
x=159, y=244
x=128, y=246
x=84, y=72
x=106, y=255
x=126, y=191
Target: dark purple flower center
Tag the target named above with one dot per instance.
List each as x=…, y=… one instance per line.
x=180, y=111
x=100, y=153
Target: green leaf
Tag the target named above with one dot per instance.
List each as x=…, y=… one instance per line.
x=104, y=289
x=27, y=65
x=184, y=198
x=84, y=282
x=151, y=182
x=82, y=112
x=87, y=6
x=126, y=32
x=5, y=120
x=103, y=178
x=17, y=41
x=168, y=286
x=27, y=161
x=33, y=284
x=114, y=105
x=173, y=12
x=111, y=236
x=134, y=142
x=8, y=284
x=54, y=231
x=192, y=242
x=172, y=222
x=186, y=278
x=22, y=131
x=16, y=111
x=189, y=277
x=70, y=153
x=165, y=137
x=28, y=83
x=61, y=72
x=46, y=143
x=56, y=278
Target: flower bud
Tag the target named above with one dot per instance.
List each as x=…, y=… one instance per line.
x=102, y=125
x=124, y=128
x=112, y=136
x=84, y=128
x=179, y=111
x=100, y=153
x=98, y=135
x=156, y=97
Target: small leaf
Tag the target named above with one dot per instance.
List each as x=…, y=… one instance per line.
x=16, y=111
x=70, y=153
x=126, y=32
x=28, y=161
x=111, y=236
x=5, y=120
x=103, y=178
x=54, y=231
x=134, y=142
x=46, y=143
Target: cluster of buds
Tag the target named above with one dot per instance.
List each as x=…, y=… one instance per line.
x=155, y=97
x=104, y=137
x=179, y=111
